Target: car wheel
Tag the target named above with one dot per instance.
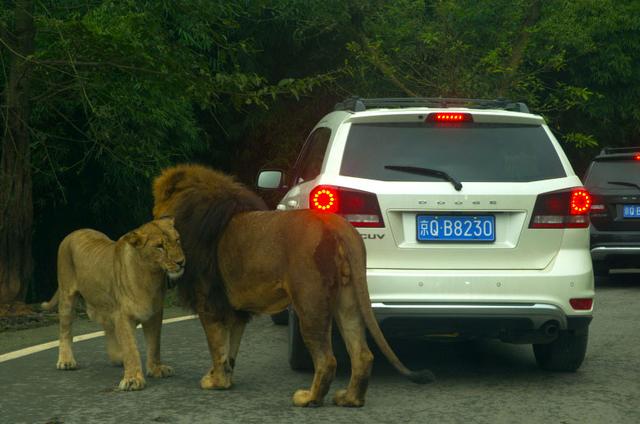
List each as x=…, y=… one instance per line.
x=281, y=318
x=565, y=353
x=299, y=357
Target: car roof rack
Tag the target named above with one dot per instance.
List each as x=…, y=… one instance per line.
x=618, y=150
x=618, y=153
x=358, y=104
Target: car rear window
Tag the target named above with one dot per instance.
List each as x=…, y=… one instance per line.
x=601, y=173
x=468, y=152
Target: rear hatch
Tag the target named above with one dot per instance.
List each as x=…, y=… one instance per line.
x=429, y=224
x=615, y=185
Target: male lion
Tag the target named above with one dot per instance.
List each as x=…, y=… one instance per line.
x=245, y=260
x=122, y=283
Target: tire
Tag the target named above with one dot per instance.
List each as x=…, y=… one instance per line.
x=565, y=353
x=299, y=357
x=281, y=318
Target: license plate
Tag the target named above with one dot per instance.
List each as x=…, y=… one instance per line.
x=456, y=228
x=631, y=211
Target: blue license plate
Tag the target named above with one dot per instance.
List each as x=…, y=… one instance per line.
x=456, y=228
x=631, y=211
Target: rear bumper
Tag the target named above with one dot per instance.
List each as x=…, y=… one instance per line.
x=537, y=314
x=601, y=253
x=534, y=323
x=520, y=306
x=608, y=245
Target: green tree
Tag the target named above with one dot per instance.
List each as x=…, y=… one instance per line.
x=119, y=90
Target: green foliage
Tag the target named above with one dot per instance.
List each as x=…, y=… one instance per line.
x=122, y=88
x=574, y=62
x=581, y=141
x=122, y=85
x=125, y=88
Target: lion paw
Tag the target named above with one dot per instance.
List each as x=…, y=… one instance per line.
x=133, y=383
x=212, y=381
x=304, y=398
x=69, y=364
x=341, y=398
x=160, y=371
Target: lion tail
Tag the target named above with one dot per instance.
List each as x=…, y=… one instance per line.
x=356, y=270
x=47, y=306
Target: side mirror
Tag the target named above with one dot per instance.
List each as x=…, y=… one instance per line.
x=270, y=179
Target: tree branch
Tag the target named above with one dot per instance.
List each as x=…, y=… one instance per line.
x=383, y=67
x=517, y=52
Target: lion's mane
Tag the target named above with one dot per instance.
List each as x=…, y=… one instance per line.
x=202, y=201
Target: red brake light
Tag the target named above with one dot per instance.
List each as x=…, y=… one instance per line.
x=562, y=209
x=581, y=304
x=360, y=208
x=324, y=199
x=449, y=117
x=580, y=202
x=637, y=157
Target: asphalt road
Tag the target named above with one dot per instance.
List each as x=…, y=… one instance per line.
x=478, y=382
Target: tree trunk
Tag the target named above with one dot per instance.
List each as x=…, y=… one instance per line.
x=16, y=202
x=517, y=51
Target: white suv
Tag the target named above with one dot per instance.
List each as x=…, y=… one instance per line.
x=474, y=222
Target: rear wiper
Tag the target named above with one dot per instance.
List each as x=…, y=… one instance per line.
x=428, y=172
x=622, y=183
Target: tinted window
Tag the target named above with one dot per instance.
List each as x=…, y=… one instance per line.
x=601, y=173
x=467, y=152
x=313, y=155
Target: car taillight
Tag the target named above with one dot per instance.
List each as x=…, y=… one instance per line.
x=580, y=202
x=360, y=208
x=598, y=209
x=581, y=304
x=562, y=209
x=324, y=199
x=449, y=117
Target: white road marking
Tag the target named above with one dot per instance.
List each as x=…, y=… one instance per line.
x=50, y=345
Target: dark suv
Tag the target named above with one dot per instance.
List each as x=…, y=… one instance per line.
x=613, y=178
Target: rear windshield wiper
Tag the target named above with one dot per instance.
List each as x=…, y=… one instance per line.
x=428, y=172
x=622, y=183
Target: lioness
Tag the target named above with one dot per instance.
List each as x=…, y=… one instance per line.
x=122, y=283
x=245, y=260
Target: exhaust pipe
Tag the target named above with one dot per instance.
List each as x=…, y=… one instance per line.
x=550, y=328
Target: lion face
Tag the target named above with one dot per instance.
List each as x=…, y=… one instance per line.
x=158, y=242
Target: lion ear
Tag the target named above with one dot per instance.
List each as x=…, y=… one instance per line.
x=136, y=239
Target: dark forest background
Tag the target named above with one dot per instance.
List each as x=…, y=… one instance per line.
x=99, y=95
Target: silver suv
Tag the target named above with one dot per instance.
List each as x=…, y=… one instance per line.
x=474, y=221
